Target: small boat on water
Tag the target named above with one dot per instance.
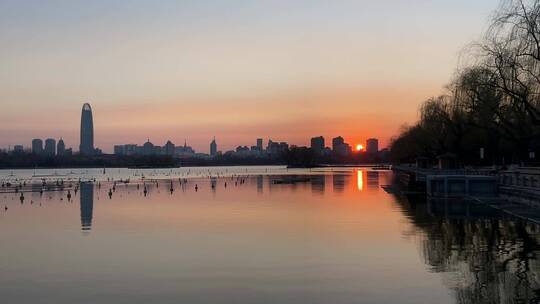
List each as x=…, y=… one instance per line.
x=381, y=167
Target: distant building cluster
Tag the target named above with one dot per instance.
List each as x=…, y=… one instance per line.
x=255, y=151
x=149, y=149
x=341, y=148
x=51, y=148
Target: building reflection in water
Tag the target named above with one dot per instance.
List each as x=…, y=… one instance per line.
x=270, y=182
x=484, y=255
x=372, y=179
x=360, y=180
x=259, y=184
x=87, y=205
x=318, y=184
x=338, y=182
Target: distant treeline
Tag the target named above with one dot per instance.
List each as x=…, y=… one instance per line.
x=492, y=103
x=302, y=157
x=293, y=157
x=307, y=157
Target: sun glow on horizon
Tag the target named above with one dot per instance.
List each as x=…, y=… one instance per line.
x=359, y=147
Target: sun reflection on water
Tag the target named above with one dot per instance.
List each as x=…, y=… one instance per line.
x=360, y=180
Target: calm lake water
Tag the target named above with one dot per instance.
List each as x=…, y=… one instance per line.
x=255, y=235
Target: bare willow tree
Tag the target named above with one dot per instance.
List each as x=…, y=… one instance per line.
x=512, y=50
x=494, y=101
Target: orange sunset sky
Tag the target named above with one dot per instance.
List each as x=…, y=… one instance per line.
x=237, y=70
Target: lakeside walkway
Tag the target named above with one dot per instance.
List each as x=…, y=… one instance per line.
x=517, y=193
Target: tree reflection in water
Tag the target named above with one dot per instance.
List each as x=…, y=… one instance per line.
x=484, y=255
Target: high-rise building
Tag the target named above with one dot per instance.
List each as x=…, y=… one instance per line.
x=339, y=147
x=317, y=144
x=372, y=146
x=337, y=142
x=276, y=148
x=148, y=148
x=213, y=147
x=50, y=147
x=260, y=144
x=87, y=131
x=37, y=146
x=169, y=148
x=61, y=148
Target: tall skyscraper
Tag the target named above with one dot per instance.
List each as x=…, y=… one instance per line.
x=50, y=147
x=87, y=131
x=213, y=147
x=317, y=144
x=61, y=148
x=259, y=144
x=372, y=146
x=37, y=146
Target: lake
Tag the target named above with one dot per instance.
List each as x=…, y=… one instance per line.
x=253, y=235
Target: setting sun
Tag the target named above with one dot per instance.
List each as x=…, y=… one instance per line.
x=359, y=147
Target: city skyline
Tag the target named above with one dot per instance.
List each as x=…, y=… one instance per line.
x=86, y=142
x=235, y=73
x=31, y=147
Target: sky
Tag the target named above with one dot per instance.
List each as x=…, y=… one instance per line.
x=237, y=70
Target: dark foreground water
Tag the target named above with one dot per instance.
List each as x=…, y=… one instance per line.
x=334, y=236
